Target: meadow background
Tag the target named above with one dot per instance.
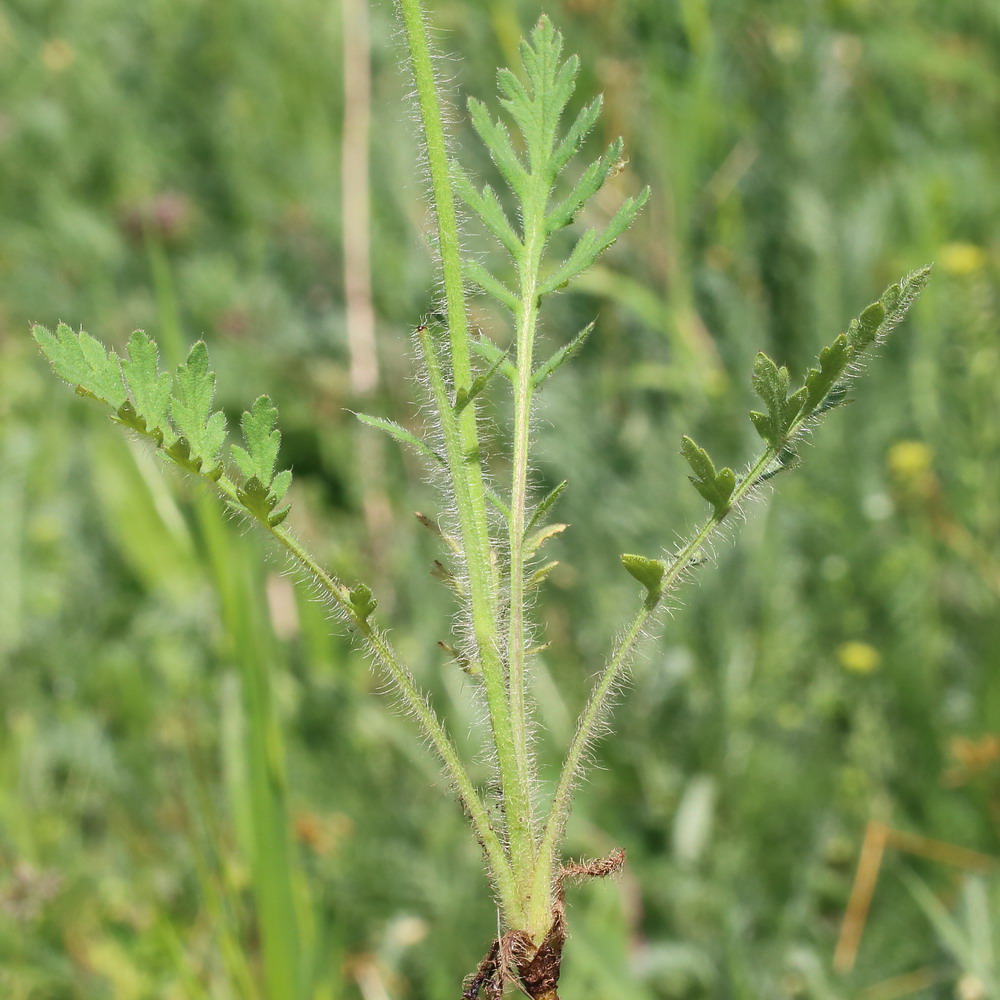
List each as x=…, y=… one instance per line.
x=203, y=792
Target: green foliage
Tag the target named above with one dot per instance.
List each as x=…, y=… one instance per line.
x=201, y=432
x=363, y=601
x=399, y=433
x=150, y=388
x=193, y=435
x=536, y=106
x=670, y=739
x=561, y=356
x=547, y=503
x=649, y=572
x=83, y=362
x=715, y=487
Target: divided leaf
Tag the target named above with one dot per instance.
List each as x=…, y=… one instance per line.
x=537, y=107
x=83, y=362
x=771, y=383
x=586, y=187
x=194, y=437
x=535, y=102
x=402, y=435
x=262, y=441
x=833, y=361
x=716, y=487
x=497, y=140
x=593, y=243
x=486, y=204
x=263, y=490
x=149, y=386
x=202, y=432
x=561, y=356
x=883, y=316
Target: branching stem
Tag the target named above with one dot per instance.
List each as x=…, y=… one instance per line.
x=462, y=452
x=597, y=704
x=388, y=659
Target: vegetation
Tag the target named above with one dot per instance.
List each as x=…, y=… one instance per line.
x=213, y=712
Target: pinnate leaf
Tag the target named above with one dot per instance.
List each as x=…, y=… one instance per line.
x=561, y=356
x=202, y=430
x=593, y=243
x=402, y=435
x=150, y=388
x=716, y=487
x=83, y=362
x=486, y=204
x=262, y=441
x=833, y=361
x=497, y=140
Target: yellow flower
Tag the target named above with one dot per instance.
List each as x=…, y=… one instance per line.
x=961, y=258
x=910, y=459
x=858, y=657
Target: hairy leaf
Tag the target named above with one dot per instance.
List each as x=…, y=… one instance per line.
x=546, y=504
x=362, y=601
x=497, y=141
x=561, y=356
x=465, y=396
x=487, y=206
x=716, y=487
x=478, y=274
x=191, y=407
x=83, y=362
x=593, y=243
x=535, y=101
x=649, y=572
x=833, y=360
x=534, y=542
x=489, y=351
x=149, y=386
x=262, y=441
x=402, y=435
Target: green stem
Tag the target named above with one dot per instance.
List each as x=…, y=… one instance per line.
x=462, y=451
x=527, y=321
x=415, y=701
x=593, y=712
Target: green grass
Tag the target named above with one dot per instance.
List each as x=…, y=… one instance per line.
x=801, y=156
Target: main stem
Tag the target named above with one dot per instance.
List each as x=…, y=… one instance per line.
x=462, y=451
x=527, y=321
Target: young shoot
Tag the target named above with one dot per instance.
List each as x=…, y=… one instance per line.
x=494, y=550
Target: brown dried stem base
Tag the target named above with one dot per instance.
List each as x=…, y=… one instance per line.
x=515, y=959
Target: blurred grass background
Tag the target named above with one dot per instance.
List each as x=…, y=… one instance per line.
x=202, y=791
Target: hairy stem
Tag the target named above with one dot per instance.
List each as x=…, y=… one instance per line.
x=462, y=452
x=527, y=321
x=607, y=682
x=388, y=659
